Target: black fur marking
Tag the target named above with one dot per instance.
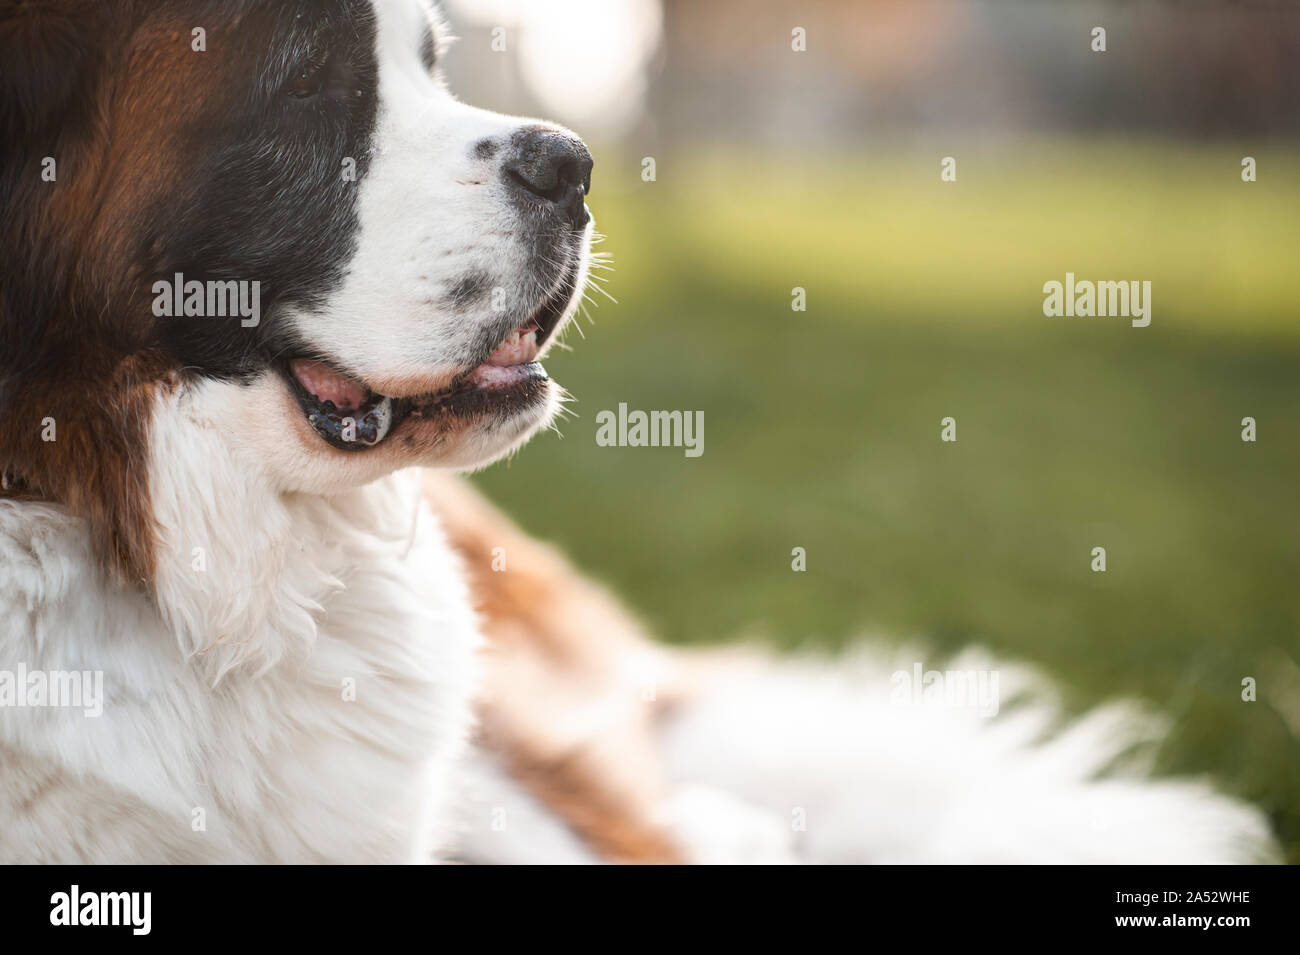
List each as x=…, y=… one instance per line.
x=272, y=202
x=469, y=290
x=258, y=191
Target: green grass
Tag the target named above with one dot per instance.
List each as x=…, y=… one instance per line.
x=822, y=427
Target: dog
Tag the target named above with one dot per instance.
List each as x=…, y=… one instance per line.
x=268, y=286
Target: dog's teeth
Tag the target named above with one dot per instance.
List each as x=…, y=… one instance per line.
x=383, y=413
x=519, y=347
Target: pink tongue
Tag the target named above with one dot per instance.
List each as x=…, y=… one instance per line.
x=327, y=384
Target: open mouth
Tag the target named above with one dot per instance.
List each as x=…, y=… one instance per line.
x=352, y=417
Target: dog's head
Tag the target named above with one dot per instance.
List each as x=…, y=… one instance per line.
x=275, y=213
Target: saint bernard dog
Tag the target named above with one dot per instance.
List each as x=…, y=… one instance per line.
x=267, y=286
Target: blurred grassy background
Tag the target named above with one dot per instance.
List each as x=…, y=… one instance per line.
x=924, y=300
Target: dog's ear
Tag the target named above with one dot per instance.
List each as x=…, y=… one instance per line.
x=47, y=50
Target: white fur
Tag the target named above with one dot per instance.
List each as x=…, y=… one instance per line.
x=431, y=213
x=848, y=776
x=228, y=695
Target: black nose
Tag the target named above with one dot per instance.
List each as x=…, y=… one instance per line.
x=552, y=166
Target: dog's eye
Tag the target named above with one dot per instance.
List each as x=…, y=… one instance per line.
x=308, y=80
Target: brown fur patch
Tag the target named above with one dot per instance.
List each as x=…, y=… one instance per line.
x=574, y=788
x=573, y=687
x=74, y=309
x=97, y=464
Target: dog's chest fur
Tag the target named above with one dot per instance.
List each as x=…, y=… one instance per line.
x=299, y=692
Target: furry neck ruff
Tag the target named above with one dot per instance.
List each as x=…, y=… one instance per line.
x=296, y=688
